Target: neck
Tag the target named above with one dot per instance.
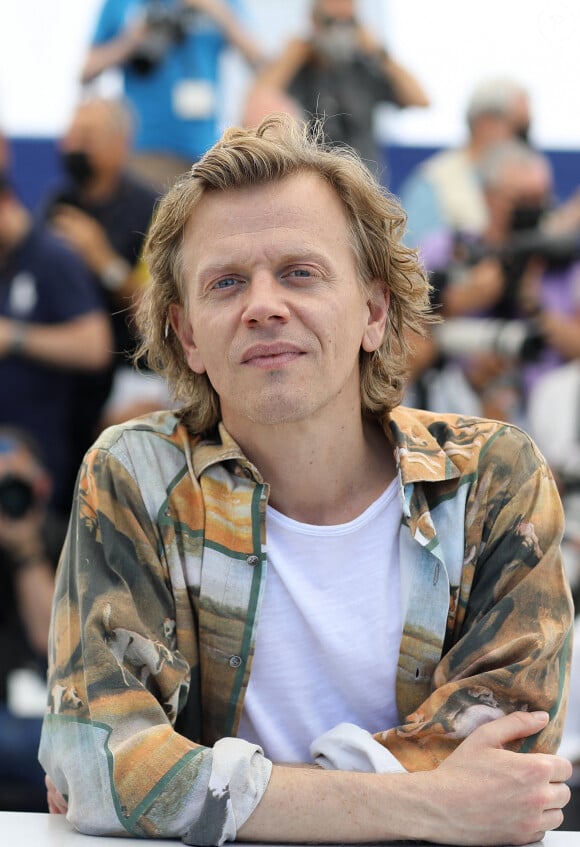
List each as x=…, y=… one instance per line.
x=319, y=479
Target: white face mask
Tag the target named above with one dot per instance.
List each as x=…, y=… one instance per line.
x=336, y=42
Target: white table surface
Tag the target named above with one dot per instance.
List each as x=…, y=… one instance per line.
x=20, y=829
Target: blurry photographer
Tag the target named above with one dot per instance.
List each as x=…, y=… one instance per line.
x=168, y=52
x=52, y=327
x=30, y=543
x=103, y=213
x=340, y=73
x=510, y=295
x=444, y=189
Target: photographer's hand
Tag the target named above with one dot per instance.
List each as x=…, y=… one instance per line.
x=33, y=576
x=561, y=333
x=115, y=52
x=233, y=30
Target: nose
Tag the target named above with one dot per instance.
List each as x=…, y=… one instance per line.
x=265, y=300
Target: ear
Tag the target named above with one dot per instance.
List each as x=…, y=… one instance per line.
x=378, y=305
x=181, y=326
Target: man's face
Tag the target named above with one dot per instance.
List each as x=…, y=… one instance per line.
x=522, y=185
x=92, y=132
x=275, y=312
x=339, y=10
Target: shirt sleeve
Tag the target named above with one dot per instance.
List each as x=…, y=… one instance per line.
x=112, y=19
x=117, y=681
x=508, y=644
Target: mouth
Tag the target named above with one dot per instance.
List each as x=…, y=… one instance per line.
x=270, y=356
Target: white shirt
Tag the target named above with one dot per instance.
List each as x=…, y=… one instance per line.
x=329, y=630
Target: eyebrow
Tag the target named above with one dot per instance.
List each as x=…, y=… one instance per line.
x=236, y=265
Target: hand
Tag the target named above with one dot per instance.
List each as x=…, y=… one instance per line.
x=21, y=536
x=485, y=794
x=57, y=805
x=561, y=333
x=6, y=335
x=84, y=235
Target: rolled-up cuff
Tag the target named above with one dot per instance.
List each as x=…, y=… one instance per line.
x=347, y=747
x=239, y=776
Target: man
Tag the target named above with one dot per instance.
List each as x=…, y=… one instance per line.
x=517, y=271
x=52, y=327
x=340, y=73
x=29, y=550
x=168, y=52
x=444, y=191
x=102, y=212
x=414, y=588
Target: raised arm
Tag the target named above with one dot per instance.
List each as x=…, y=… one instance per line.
x=231, y=27
x=115, y=52
x=84, y=342
x=407, y=89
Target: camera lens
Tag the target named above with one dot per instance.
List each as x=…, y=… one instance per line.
x=16, y=496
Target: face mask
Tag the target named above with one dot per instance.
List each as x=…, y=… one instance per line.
x=526, y=217
x=78, y=166
x=523, y=133
x=336, y=41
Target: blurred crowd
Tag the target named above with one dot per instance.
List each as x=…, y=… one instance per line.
x=502, y=251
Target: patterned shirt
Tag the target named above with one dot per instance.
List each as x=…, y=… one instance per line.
x=158, y=596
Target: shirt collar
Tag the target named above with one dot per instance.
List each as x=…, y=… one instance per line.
x=419, y=455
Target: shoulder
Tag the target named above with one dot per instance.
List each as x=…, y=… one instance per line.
x=155, y=428
x=135, y=198
x=471, y=445
x=445, y=162
x=52, y=257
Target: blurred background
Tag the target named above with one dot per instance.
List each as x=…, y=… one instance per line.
x=449, y=45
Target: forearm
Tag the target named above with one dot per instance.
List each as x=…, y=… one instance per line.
x=407, y=88
x=34, y=583
x=522, y=799
x=105, y=56
x=228, y=22
x=310, y=805
x=84, y=343
x=279, y=73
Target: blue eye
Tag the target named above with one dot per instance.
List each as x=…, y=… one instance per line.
x=301, y=272
x=226, y=282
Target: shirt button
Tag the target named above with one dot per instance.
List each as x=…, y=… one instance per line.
x=235, y=661
x=253, y=560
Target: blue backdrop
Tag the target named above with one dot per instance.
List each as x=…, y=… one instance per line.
x=35, y=167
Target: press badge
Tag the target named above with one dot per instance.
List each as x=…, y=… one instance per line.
x=194, y=99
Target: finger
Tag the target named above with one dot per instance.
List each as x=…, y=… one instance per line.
x=552, y=819
x=508, y=728
x=561, y=769
x=559, y=796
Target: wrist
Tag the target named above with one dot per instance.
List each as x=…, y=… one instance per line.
x=18, y=336
x=24, y=560
x=115, y=273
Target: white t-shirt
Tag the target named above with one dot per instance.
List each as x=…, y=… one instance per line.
x=329, y=630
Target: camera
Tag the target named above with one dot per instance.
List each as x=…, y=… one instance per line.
x=521, y=340
x=558, y=251
x=16, y=496
x=168, y=25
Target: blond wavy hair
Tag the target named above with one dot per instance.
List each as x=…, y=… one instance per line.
x=276, y=149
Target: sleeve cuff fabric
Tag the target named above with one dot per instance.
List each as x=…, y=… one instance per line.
x=239, y=776
x=347, y=747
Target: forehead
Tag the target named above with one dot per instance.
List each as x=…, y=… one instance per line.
x=300, y=209
x=335, y=8
x=526, y=180
x=93, y=120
